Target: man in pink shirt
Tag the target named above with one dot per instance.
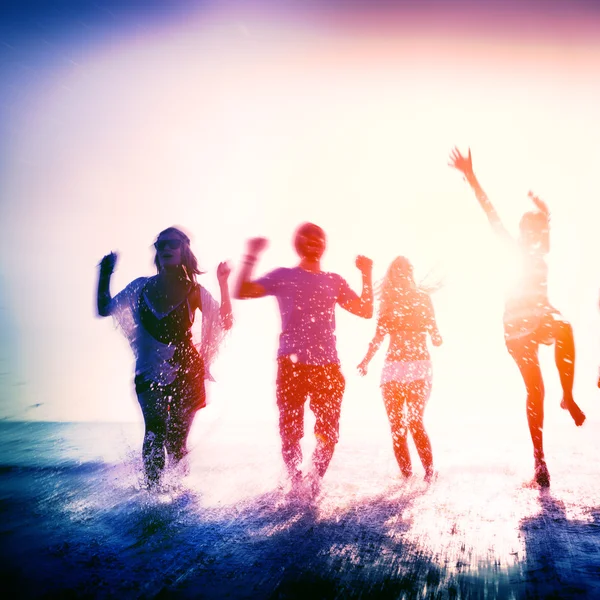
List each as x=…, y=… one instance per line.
x=308, y=364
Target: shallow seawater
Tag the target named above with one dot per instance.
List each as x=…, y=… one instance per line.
x=78, y=522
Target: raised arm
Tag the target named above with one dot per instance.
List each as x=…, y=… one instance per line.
x=371, y=350
x=223, y=272
x=107, y=266
x=465, y=166
x=245, y=287
x=362, y=306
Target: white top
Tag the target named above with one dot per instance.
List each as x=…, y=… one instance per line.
x=151, y=356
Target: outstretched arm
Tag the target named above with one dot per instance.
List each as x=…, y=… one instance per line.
x=372, y=350
x=107, y=266
x=223, y=272
x=362, y=306
x=465, y=166
x=245, y=287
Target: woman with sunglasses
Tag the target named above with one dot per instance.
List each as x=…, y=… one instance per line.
x=529, y=318
x=156, y=315
x=405, y=314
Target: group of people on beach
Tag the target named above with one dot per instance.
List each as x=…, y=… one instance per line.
x=157, y=314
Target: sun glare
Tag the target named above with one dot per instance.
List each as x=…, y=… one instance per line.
x=285, y=129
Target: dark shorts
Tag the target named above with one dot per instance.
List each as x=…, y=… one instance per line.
x=324, y=385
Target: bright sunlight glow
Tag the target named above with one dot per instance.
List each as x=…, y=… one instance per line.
x=350, y=131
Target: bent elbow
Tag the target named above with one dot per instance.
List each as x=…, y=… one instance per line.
x=238, y=292
x=247, y=290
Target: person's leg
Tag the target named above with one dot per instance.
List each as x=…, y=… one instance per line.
x=417, y=394
x=564, y=356
x=154, y=409
x=327, y=385
x=525, y=354
x=291, y=390
x=394, y=397
x=181, y=417
x=186, y=397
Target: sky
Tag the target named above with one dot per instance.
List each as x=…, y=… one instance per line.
x=237, y=119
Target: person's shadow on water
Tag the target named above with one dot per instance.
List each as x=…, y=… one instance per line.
x=269, y=546
x=562, y=556
x=135, y=544
x=286, y=550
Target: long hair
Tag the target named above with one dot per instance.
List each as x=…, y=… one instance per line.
x=398, y=289
x=189, y=262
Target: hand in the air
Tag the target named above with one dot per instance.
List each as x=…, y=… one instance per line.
x=461, y=163
x=108, y=262
x=540, y=204
x=364, y=264
x=257, y=245
x=223, y=272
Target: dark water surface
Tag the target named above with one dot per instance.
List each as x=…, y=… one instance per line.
x=76, y=523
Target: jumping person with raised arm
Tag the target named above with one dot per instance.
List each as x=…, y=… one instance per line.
x=529, y=318
x=156, y=315
x=308, y=363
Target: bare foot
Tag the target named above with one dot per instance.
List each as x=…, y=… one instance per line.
x=574, y=410
x=313, y=481
x=542, y=477
x=430, y=475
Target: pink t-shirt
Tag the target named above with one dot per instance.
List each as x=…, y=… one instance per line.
x=307, y=305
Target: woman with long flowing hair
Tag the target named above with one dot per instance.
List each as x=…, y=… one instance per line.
x=406, y=314
x=156, y=315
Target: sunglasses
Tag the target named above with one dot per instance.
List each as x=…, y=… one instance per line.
x=161, y=245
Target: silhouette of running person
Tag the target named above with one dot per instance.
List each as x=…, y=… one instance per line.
x=529, y=318
x=405, y=314
x=308, y=363
x=156, y=315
